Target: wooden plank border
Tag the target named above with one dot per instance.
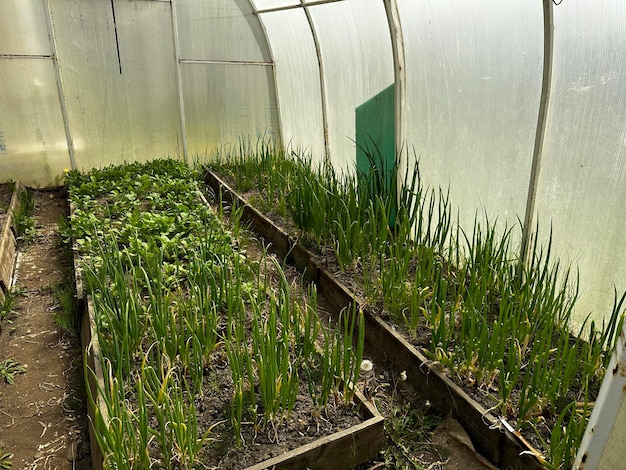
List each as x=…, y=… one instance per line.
x=8, y=241
x=342, y=450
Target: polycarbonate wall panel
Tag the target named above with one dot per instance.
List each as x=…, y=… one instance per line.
x=220, y=30
x=33, y=147
x=298, y=81
x=225, y=104
x=121, y=106
x=358, y=63
x=582, y=185
x=473, y=89
x=23, y=27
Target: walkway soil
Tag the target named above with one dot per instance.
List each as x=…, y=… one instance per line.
x=43, y=420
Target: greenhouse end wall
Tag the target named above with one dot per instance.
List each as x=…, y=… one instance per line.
x=87, y=83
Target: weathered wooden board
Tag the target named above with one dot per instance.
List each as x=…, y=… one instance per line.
x=80, y=290
x=342, y=450
x=7, y=254
x=95, y=379
x=490, y=438
x=8, y=242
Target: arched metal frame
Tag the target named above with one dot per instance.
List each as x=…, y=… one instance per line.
x=59, y=80
x=179, y=81
x=397, y=47
x=533, y=192
x=180, y=61
x=546, y=86
x=305, y=6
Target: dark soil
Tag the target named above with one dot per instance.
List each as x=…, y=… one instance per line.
x=304, y=425
x=300, y=428
x=43, y=420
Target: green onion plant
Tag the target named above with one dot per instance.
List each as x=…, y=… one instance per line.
x=496, y=322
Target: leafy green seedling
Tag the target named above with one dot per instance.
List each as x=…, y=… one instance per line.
x=8, y=369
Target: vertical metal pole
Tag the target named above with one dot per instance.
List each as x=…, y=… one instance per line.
x=280, y=136
x=399, y=66
x=548, y=40
x=179, y=82
x=59, y=80
x=322, y=81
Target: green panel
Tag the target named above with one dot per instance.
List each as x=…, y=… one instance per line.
x=375, y=142
x=375, y=145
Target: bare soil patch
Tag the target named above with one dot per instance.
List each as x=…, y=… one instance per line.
x=43, y=420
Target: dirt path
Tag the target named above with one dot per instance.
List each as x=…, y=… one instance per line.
x=42, y=414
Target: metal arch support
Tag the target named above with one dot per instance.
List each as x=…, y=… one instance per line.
x=546, y=86
x=306, y=8
x=399, y=65
x=320, y=63
x=60, y=89
x=602, y=444
x=179, y=81
x=300, y=5
x=180, y=60
x=273, y=65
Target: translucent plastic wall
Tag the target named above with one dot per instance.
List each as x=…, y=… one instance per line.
x=582, y=183
x=473, y=89
x=33, y=144
x=226, y=74
x=473, y=92
x=330, y=58
x=358, y=64
x=87, y=83
x=297, y=81
x=119, y=79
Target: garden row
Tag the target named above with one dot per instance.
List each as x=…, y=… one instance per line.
x=199, y=350
x=496, y=325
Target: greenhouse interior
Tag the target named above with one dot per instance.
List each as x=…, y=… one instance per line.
x=325, y=234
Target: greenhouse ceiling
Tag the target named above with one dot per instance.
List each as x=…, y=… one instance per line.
x=517, y=106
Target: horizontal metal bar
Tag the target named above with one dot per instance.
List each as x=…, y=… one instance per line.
x=291, y=7
x=26, y=56
x=225, y=62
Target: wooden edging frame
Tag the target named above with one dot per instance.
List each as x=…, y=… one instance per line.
x=8, y=242
x=341, y=450
x=489, y=435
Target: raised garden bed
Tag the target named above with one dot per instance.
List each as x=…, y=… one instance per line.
x=494, y=318
x=490, y=436
x=343, y=449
